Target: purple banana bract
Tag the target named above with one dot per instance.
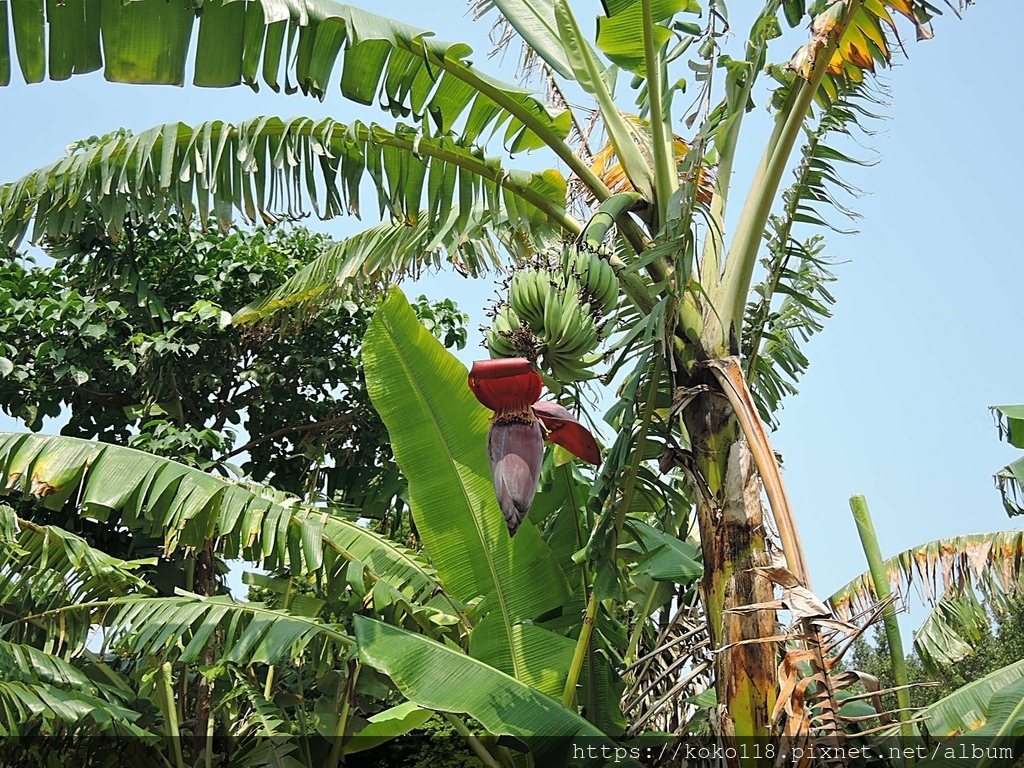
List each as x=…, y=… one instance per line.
x=515, y=442
x=516, y=450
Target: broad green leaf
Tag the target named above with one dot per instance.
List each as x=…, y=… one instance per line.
x=307, y=44
x=549, y=654
x=144, y=42
x=387, y=725
x=267, y=167
x=620, y=36
x=993, y=744
x=29, y=33
x=662, y=556
x=439, y=435
x=437, y=677
x=965, y=708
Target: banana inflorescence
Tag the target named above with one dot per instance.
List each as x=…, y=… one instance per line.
x=557, y=312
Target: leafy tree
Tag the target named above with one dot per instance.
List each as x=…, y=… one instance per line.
x=131, y=342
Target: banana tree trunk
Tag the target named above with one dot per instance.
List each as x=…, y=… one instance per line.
x=728, y=494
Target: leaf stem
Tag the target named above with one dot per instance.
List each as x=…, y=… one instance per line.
x=579, y=655
x=730, y=299
x=471, y=738
x=880, y=579
x=167, y=707
x=666, y=178
x=583, y=642
x=337, y=748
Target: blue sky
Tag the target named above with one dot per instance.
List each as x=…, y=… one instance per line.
x=923, y=338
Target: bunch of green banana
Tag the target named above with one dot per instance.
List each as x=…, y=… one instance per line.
x=570, y=333
x=598, y=281
x=528, y=295
x=502, y=334
x=555, y=309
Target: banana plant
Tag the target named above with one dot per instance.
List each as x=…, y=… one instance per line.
x=94, y=646
x=686, y=307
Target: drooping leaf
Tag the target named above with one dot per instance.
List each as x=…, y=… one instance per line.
x=437, y=677
x=389, y=724
x=359, y=264
x=185, y=507
x=308, y=44
x=965, y=708
x=40, y=690
x=662, y=556
x=180, y=627
x=266, y=167
x=988, y=562
x=951, y=630
x=620, y=34
x=1010, y=479
x=534, y=21
x=992, y=744
x=45, y=566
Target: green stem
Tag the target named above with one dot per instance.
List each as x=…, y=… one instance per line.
x=641, y=437
x=210, y=722
x=583, y=642
x=524, y=114
x=666, y=178
x=742, y=257
x=711, y=260
x=270, y=670
x=880, y=578
x=780, y=262
x=580, y=653
x=170, y=713
x=589, y=76
x=606, y=215
x=348, y=690
x=638, y=630
x=566, y=474
x=471, y=738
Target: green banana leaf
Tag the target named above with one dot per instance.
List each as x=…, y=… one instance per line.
x=439, y=434
x=389, y=724
x=185, y=507
x=220, y=168
x=307, y=44
x=993, y=744
x=437, y=677
x=964, y=709
x=357, y=265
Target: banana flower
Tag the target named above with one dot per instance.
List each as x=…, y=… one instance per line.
x=515, y=441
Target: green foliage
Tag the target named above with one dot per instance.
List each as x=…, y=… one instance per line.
x=131, y=340
x=996, y=647
x=436, y=745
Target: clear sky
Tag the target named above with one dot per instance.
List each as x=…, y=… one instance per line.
x=922, y=341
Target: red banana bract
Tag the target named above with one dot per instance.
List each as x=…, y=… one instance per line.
x=515, y=442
